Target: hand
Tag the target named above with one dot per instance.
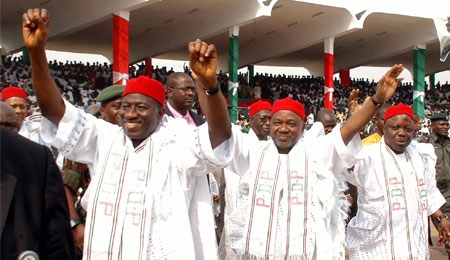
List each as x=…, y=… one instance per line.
x=444, y=232
x=388, y=84
x=203, y=62
x=35, y=24
x=78, y=237
x=353, y=105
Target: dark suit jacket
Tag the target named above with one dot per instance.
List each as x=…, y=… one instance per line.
x=34, y=213
x=197, y=119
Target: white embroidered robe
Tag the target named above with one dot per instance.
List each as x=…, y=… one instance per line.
x=393, y=203
x=136, y=203
x=305, y=177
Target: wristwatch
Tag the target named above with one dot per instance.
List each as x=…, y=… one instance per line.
x=441, y=217
x=74, y=223
x=210, y=92
x=375, y=102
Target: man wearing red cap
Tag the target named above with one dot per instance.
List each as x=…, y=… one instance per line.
x=136, y=204
x=397, y=193
x=29, y=126
x=259, y=113
x=289, y=202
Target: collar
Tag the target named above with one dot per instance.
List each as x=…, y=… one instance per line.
x=176, y=114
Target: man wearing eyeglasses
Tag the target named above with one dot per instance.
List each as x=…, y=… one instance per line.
x=181, y=96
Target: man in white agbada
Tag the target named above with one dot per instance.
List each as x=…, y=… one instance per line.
x=29, y=125
x=397, y=193
x=181, y=96
x=289, y=205
x=137, y=207
x=259, y=113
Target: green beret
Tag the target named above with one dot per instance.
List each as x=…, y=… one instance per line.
x=438, y=116
x=111, y=92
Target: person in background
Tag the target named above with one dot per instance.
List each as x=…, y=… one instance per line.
x=110, y=100
x=441, y=143
x=34, y=216
x=379, y=123
x=327, y=118
x=259, y=113
x=8, y=117
x=29, y=125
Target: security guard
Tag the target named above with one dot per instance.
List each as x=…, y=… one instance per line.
x=441, y=142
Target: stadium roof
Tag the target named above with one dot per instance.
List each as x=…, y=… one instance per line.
x=277, y=33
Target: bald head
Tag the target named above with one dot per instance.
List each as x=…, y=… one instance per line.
x=379, y=118
x=327, y=118
x=8, y=117
x=181, y=92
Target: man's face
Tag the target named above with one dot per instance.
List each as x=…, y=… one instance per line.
x=285, y=129
x=110, y=111
x=398, y=132
x=329, y=123
x=260, y=124
x=139, y=116
x=20, y=107
x=182, y=94
x=379, y=121
x=440, y=127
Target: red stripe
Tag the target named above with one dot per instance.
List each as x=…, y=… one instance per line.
x=328, y=81
x=120, y=46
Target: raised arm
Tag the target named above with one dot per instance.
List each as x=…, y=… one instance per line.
x=203, y=63
x=385, y=89
x=35, y=23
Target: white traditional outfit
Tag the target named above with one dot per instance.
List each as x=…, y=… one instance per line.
x=30, y=128
x=290, y=206
x=200, y=204
x=136, y=204
x=231, y=196
x=397, y=193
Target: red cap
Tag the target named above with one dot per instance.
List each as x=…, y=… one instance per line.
x=146, y=86
x=289, y=104
x=259, y=106
x=399, y=110
x=13, y=92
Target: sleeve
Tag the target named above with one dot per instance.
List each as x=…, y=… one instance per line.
x=58, y=238
x=203, y=159
x=240, y=156
x=338, y=156
x=434, y=197
x=77, y=135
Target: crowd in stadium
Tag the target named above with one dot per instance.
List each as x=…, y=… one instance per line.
x=80, y=83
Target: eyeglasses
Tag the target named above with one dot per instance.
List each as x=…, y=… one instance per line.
x=187, y=89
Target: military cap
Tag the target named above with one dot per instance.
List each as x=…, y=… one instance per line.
x=111, y=92
x=438, y=116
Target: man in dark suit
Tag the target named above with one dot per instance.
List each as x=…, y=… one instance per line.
x=181, y=96
x=34, y=218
